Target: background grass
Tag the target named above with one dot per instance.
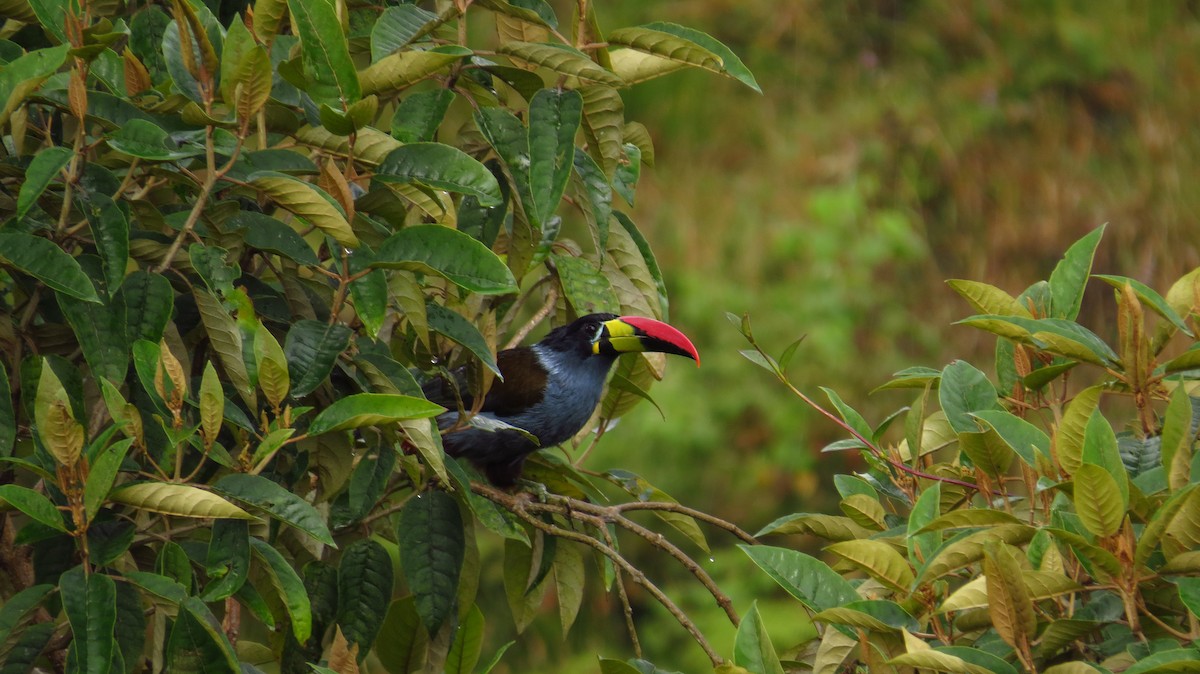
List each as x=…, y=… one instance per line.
x=897, y=144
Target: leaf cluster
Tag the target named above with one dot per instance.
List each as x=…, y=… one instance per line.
x=236, y=238
x=1020, y=521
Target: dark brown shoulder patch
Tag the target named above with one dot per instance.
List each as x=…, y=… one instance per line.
x=523, y=386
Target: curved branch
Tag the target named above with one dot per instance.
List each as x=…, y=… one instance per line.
x=522, y=507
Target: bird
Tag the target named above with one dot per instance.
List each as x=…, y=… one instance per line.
x=548, y=390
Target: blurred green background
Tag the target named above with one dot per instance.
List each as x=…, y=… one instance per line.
x=897, y=144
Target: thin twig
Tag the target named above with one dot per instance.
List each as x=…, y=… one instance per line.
x=519, y=507
x=690, y=512
x=547, y=307
x=626, y=606
x=873, y=448
x=598, y=516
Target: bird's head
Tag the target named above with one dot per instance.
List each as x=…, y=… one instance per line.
x=610, y=335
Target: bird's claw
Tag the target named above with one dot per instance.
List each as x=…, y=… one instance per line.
x=535, y=490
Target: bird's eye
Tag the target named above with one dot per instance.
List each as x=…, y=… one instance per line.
x=597, y=331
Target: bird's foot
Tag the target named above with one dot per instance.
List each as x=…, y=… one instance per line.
x=535, y=490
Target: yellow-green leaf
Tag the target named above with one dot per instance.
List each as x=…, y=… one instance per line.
x=1068, y=437
x=180, y=500
x=212, y=404
x=988, y=299
x=401, y=69
x=561, y=59
x=60, y=433
x=272, y=366
x=878, y=559
x=1098, y=500
x=1009, y=604
x=309, y=202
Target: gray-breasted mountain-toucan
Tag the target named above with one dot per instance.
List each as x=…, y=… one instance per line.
x=549, y=390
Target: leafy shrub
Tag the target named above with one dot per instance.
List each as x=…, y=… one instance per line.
x=1017, y=524
x=237, y=240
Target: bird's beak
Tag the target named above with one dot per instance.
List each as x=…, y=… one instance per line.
x=635, y=333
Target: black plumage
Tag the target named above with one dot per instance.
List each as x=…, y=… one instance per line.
x=549, y=390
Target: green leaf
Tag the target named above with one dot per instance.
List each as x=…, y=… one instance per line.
x=90, y=602
x=324, y=50
x=312, y=349
x=35, y=505
x=371, y=409
x=752, y=648
x=52, y=15
x=628, y=173
x=921, y=545
x=443, y=167
x=585, y=285
x=365, y=580
x=43, y=169
x=146, y=140
x=554, y=118
x=110, y=232
x=369, y=481
x=731, y=64
x=401, y=69
x=280, y=503
x=1100, y=449
x=289, y=586
x=100, y=329
x=432, y=546
x=452, y=325
x=8, y=417
x=591, y=188
x=18, y=614
x=24, y=74
x=1023, y=437
x=369, y=293
x=418, y=115
x=46, y=262
x=228, y=560
x=307, y=201
x=964, y=390
x=1189, y=594
x=1147, y=296
x=404, y=649
x=496, y=519
x=448, y=253
x=806, y=578
x=180, y=500
x=468, y=644
x=1177, y=438
x=1173, y=661
x=1069, y=277
x=603, y=125
x=198, y=644
x=561, y=59
x=397, y=27
x=271, y=235
x=102, y=474
x=149, y=302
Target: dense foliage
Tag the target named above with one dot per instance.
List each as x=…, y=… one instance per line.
x=236, y=239
x=1046, y=519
